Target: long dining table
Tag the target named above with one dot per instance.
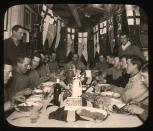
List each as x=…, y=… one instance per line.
x=114, y=120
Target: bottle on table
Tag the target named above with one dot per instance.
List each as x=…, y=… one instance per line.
x=57, y=92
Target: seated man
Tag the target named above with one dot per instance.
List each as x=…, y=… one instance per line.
x=135, y=89
x=143, y=102
x=53, y=65
x=19, y=86
x=75, y=61
x=102, y=65
x=7, y=75
x=124, y=78
x=33, y=73
x=41, y=67
x=114, y=72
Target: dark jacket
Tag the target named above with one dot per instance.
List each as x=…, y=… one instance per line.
x=11, y=50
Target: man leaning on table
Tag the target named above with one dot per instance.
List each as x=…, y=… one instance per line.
x=133, y=108
x=19, y=86
x=134, y=89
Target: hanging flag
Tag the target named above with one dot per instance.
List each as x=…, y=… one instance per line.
x=58, y=34
x=84, y=46
x=48, y=30
x=69, y=44
x=96, y=40
x=80, y=41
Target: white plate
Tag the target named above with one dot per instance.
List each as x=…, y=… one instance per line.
x=104, y=84
x=38, y=91
x=49, y=83
x=91, y=109
x=111, y=94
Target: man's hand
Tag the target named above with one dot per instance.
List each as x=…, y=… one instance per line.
x=134, y=109
x=19, y=98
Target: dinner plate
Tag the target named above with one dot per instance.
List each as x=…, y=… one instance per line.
x=37, y=91
x=49, y=83
x=91, y=114
x=110, y=94
x=25, y=107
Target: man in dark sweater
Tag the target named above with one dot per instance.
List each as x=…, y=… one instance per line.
x=13, y=45
x=126, y=48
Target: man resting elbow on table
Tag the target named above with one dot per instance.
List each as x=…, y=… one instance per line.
x=19, y=86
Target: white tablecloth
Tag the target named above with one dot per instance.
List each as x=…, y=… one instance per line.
x=113, y=120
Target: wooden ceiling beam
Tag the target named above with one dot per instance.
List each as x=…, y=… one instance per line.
x=75, y=14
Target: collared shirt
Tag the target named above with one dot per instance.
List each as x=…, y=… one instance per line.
x=135, y=89
x=131, y=50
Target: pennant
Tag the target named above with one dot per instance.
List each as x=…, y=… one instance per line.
x=58, y=34
x=85, y=34
x=80, y=41
x=69, y=44
x=73, y=30
x=96, y=43
x=79, y=34
x=46, y=28
x=68, y=30
x=84, y=48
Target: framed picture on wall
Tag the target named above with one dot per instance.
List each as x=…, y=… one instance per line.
x=6, y=21
x=26, y=18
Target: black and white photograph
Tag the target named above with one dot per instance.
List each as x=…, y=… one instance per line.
x=76, y=65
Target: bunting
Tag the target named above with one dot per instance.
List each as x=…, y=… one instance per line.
x=96, y=40
x=82, y=45
x=70, y=40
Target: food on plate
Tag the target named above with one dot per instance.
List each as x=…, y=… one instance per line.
x=92, y=113
x=37, y=91
x=116, y=95
x=107, y=93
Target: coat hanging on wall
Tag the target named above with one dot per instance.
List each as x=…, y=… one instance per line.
x=48, y=26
